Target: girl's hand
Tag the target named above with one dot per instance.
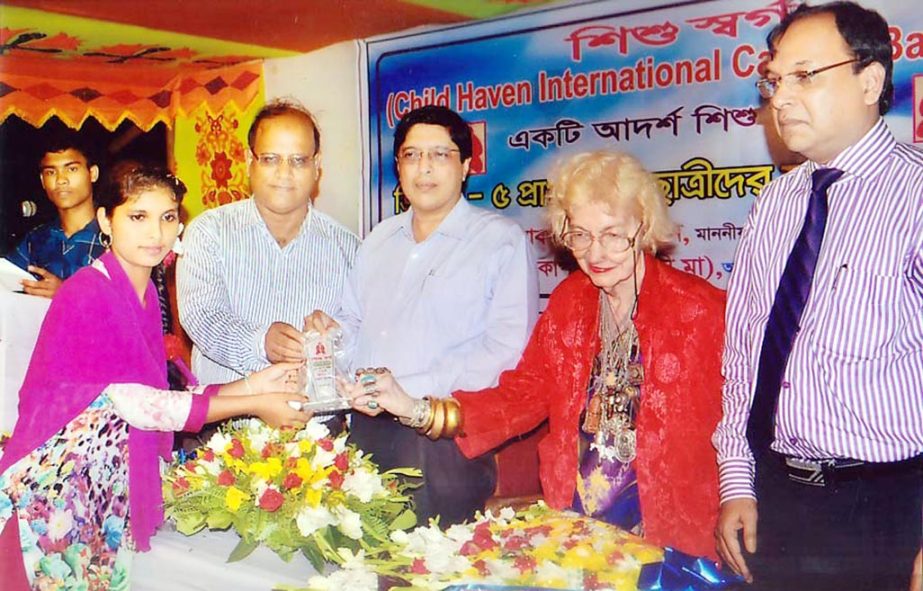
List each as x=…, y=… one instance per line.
x=274, y=410
x=376, y=390
x=278, y=377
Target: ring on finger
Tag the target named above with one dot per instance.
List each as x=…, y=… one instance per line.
x=371, y=404
x=367, y=379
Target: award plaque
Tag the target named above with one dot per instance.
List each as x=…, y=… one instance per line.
x=321, y=353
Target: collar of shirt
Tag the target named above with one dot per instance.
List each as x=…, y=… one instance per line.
x=254, y=219
x=867, y=158
x=454, y=225
x=90, y=230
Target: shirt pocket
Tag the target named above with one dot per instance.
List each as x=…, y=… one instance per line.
x=863, y=316
x=454, y=303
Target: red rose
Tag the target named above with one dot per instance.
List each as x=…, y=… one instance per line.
x=481, y=566
x=325, y=444
x=591, y=581
x=226, y=478
x=469, y=548
x=291, y=462
x=291, y=481
x=525, y=564
x=209, y=455
x=419, y=567
x=341, y=462
x=180, y=485
x=336, y=480
x=268, y=450
x=515, y=543
x=482, y=536
x=271, y=500
x=237, y=449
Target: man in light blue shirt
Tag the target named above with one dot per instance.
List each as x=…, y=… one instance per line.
x=253, y=269
x=444, y=295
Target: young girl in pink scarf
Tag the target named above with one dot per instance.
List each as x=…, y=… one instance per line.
x=80, y=484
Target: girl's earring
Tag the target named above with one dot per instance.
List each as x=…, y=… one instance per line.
x=105, y=240
x=178, y=244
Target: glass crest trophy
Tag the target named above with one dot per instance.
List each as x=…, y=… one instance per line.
x=322, y=354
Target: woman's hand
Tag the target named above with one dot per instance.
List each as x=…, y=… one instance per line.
x=376, y=390
x=278, y=377
x=274, y=410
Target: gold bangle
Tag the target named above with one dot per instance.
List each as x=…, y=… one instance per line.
x=453, y=418
x=430, y=416
x=435, y=431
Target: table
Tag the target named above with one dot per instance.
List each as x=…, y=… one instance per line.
x=198, y=563
x=21, y=318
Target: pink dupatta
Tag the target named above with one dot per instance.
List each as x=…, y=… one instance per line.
x=97, y=333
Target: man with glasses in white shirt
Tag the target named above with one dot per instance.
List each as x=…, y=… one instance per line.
x=819, y=450
x=445, y=296
x=253, y=269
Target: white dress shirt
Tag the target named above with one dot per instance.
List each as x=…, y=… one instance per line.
x=448, y=313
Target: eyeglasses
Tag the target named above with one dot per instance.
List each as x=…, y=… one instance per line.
x=295, y=161
x=580, y=240
x=798, y=80
x=435, y=155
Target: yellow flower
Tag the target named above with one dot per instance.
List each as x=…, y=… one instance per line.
x=580, y=556
x=313, y=497
x=234, y=498
x=268, y=469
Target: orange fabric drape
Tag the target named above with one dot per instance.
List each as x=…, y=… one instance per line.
x=72, y=90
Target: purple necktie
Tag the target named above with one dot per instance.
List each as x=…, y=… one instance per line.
x=785, y=315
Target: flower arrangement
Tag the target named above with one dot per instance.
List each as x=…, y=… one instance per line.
x=289, y=491
x=535, y=548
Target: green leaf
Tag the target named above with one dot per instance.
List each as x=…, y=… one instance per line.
x=314, y=556
x=189, y=524
x=405, y=520
x=219, y=520
x=242, y=550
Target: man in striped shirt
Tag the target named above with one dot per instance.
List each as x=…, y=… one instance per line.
x=840, y=485
x=253, y=269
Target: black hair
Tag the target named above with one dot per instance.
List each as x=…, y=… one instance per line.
x=458, y=129
x=865, y=32
x=60, y=140
x=128, y=180
x=278, y=108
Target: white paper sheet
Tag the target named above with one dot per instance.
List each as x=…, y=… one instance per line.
x=11, y=275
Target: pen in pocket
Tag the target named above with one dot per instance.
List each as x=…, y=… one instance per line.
x=840, y=270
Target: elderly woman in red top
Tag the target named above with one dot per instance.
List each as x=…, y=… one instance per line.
x=624, y=364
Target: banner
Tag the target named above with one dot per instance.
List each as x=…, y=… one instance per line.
x=672, y=84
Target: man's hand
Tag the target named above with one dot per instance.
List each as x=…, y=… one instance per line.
x=45, y=287
x=284, y=343
x=319, y=321
x=916, y=580
x=736, y=515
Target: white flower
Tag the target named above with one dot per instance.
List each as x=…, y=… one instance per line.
x=322, y=458
x=350, y=560
x=460, y=533
x=314, y=430
x=219, y=442
x=399, y=536
x=349, y=522
x=292, y=450
x=363, y=484
x=550, y=573
x=259, y=439
x=311, y=519
x=352, y=579
x=60, y=524
x=507, y=513
x=437, y=560
x=339, y=444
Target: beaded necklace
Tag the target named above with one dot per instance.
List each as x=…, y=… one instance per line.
x=616, y=387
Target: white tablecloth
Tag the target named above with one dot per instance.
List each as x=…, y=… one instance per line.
x=198, y=563
x=21, y=318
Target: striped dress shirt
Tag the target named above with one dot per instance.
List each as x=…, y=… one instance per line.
x=234, y=281
x=853, y=386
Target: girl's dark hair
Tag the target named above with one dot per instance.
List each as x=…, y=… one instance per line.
x=129, y=179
